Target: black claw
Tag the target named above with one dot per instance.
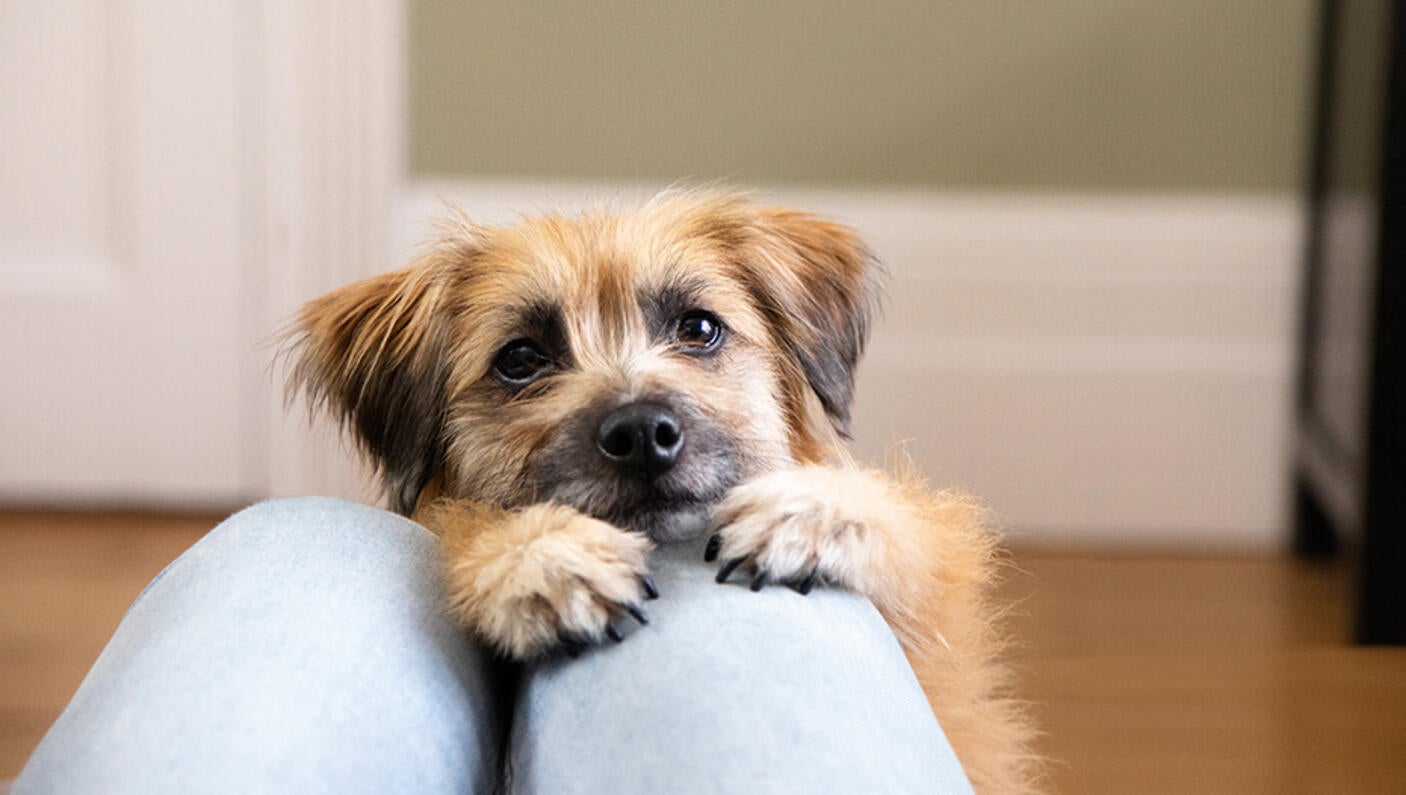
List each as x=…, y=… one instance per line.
x=647, y=583
x=759, y=581
x=636, y=613
x=613, y=633
x=728, y=568
x=710, y=552
x=571, y=644
x=809, y=581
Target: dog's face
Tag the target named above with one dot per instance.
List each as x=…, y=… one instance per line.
x=635, y=366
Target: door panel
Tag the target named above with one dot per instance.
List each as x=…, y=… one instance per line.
x=120, y=282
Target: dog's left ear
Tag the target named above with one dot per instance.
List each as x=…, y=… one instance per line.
x=819, y=287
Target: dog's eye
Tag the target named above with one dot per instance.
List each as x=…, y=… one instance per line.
x=699, y=330
x=520, y=361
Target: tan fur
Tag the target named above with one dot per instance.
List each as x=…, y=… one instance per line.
x=540, y=570
x=406, y=361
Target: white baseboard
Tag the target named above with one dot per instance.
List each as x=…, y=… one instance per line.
x=1102, y=369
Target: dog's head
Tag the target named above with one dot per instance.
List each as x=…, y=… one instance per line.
x=633, y=365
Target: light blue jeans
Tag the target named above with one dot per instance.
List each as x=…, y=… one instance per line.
x=301, y=647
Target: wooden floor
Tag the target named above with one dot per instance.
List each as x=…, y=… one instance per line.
x=1206, y=675
x=1152, y=674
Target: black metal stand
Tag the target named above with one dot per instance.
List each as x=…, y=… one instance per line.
x=1350, y=493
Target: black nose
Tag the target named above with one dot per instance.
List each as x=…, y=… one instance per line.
x=641, y=439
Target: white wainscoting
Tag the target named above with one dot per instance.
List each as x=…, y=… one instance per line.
x=1101, y=369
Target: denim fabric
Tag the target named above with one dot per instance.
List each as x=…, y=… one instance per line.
x=302, y=647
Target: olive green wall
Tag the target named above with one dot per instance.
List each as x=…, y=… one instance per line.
x=1138, y=95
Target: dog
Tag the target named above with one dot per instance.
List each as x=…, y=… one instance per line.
x=555, y=397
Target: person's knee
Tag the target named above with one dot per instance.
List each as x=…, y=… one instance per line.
x=823, y=619
x=276, y=513
x=316, y=521
x=313, y=533
x=706, y=617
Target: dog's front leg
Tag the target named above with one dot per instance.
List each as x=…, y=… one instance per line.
x=840, y=526
x=546, y=576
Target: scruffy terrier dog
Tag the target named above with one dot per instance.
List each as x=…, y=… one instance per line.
x=555, y=397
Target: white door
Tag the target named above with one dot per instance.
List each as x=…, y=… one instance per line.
x=120, y=289
x=175, y=178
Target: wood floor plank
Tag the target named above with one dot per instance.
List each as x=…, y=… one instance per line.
x=1205, y=675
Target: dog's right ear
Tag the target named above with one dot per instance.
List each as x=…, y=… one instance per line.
x=373, y=354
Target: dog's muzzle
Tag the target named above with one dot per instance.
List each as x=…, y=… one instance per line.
x=654, y=464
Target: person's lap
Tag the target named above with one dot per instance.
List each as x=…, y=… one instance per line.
x=302, y=646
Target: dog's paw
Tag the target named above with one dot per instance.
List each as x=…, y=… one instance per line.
x=558, y=580
x=801, y=527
